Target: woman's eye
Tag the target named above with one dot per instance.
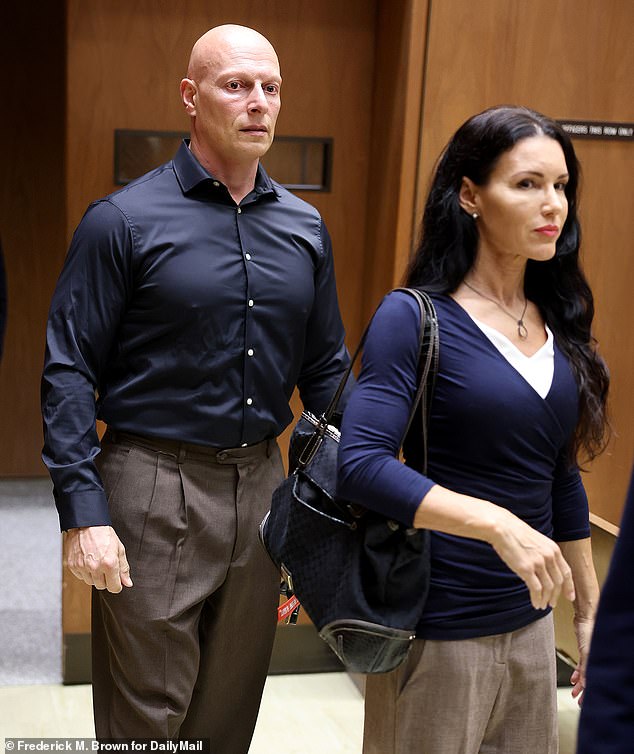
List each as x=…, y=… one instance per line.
x=560, y=186
x=526, y=183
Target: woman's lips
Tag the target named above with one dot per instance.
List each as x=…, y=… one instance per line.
x=548, y=230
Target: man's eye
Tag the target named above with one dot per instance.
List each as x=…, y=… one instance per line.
x=233, y=85
x=271, y=89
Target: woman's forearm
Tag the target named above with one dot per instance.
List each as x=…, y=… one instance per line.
x=535, y=558
x=462, y=515
x=578, y=555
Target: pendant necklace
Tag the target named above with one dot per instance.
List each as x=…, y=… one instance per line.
x=521, y=327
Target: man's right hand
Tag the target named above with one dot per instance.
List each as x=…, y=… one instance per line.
x=96, y=556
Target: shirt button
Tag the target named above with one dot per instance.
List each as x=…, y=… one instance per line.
x=249, y=401
x=250, y=352
x=216, y=184
x=239, y=211
x=251, y=302
x=247, y=256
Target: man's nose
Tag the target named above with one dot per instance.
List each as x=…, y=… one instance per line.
x=258, y=101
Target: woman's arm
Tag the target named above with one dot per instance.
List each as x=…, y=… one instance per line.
x=371, y=475
x=578, y=555
x=535, y=558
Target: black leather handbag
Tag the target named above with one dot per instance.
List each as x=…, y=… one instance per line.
x=361, y=577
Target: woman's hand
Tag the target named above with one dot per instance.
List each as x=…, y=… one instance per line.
x=535, y=558
x=583, y=632
x=578, y=554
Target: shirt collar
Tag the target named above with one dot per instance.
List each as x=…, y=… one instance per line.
x=191, y=174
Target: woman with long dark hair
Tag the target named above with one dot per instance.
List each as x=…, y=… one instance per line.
x=519, y=401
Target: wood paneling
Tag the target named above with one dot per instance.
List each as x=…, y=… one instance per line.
x=32, y=201
x=571, y=59
x=398, y=82
x=75, y=604
x=608, y=228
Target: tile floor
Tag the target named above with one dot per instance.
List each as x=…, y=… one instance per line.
x=300, y=714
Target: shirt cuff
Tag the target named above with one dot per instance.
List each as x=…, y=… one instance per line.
x=83, y=508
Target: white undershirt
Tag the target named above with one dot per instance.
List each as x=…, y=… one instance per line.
x=537, y=370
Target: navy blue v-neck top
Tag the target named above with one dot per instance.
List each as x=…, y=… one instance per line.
x=491, y=436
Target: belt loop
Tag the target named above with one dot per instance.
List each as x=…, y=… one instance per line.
x=182, y=454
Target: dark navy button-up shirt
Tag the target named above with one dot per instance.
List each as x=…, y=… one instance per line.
x=182, y=315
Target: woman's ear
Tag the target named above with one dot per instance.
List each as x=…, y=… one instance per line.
x=468, y=195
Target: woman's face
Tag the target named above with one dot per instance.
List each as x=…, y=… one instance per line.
x=523, y=206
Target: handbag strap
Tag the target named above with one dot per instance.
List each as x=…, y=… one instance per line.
x=428, y=344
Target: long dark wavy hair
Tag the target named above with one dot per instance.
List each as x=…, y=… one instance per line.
x=449, y=242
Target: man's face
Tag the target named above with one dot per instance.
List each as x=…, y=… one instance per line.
x=236, y=100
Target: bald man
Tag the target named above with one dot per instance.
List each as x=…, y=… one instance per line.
x=190, y=305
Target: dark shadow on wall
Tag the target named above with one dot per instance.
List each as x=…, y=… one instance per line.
x=3, y=300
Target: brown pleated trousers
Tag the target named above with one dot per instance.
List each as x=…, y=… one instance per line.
x=489, y=695
x=184, y=653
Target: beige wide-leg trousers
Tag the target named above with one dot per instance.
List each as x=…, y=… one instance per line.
x=184, y=653
x=490, y=695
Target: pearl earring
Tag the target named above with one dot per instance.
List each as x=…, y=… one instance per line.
x=475, y=215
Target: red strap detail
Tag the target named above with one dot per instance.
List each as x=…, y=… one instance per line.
x=286, y=608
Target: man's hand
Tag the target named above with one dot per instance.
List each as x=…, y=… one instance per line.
x=96, y=556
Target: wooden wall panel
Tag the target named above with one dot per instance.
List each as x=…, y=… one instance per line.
x=401, y=40
x=608, y=229
x=32, y=204
x=570, y=59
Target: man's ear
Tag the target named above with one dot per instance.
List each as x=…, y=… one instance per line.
x=468, y=195
x=188, y=95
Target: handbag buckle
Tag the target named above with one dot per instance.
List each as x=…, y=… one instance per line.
x=286, y=575
x=312, y=446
